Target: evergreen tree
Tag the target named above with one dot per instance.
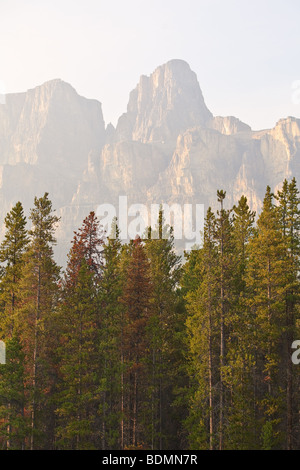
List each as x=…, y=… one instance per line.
x=111, y=342
x=80, y=360
x=223, y=237
x=289, y=214
x=79, y=391
x=203, y=327
x=11, y=377
x=136, y=300
x=87, y=244
x=12, y=256
x=240, y=357
x=167, y=323
x=37, y=293
x=265, y=279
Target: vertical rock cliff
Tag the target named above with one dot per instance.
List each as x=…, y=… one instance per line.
x=167, y=147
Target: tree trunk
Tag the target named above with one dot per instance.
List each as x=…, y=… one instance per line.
x=35, y=354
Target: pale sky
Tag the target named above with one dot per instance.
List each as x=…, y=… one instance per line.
x=244, y=52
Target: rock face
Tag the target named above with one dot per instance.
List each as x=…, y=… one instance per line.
x=50, y=124
x=46, y=137
x=163, y=105
x=228, y=125
x=167, y=148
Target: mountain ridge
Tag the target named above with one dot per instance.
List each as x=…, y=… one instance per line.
x=167, y=147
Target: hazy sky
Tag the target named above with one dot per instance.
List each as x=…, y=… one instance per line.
x=244, y=52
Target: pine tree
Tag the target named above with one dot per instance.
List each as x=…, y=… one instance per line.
x=203, y=327
x=78, y=395
x=80, y=359
x=240, y=357
x=289, y=214
x=223, y=237
x=37, y=291
x=12, y=392
x=242, y=230
x=265, y=279
x=87, y=244
x=110, y=342
x=166, y=327
x=136, y=300
x=12, y=254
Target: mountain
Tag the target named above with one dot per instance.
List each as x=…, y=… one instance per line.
x=47, y=136
x=163, y=105
x=168, y=147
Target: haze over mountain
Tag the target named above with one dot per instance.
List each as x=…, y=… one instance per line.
x=168, y=147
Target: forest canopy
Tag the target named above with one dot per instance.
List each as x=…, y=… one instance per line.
x=133, y=347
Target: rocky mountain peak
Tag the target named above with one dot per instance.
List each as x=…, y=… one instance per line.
x=167, y=148
x=163, y=105
x=50, y=123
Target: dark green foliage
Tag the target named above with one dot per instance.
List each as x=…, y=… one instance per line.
x=12, y=374
x=132, y=349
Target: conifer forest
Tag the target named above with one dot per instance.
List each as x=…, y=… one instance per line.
x=131, y=346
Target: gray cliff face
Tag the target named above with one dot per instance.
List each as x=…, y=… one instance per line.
x=46, y=137
x=50, y=124
x=228, y=125
x=167, y=148
x=164, y=105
